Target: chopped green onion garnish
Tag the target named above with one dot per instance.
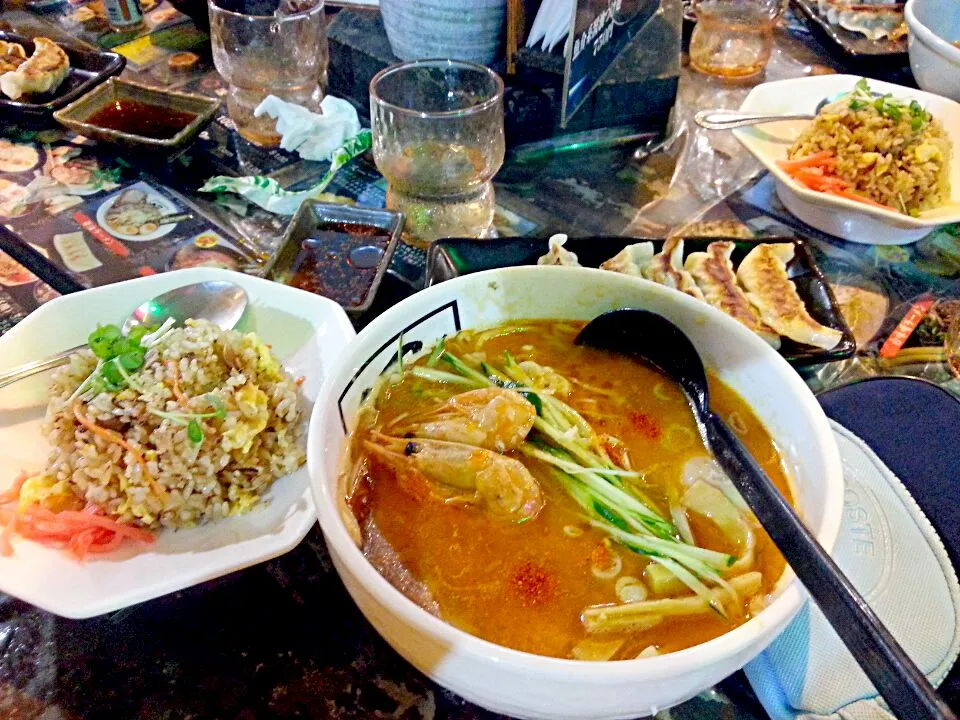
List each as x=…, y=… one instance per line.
x=182, y=418
x=101, y=340
x=119, y=356
x=434, y=358
x=220, y=411
x=887, y=105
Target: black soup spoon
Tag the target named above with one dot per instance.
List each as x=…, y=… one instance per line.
x=655, y=340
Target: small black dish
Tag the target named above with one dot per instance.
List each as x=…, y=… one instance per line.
x=450, y=258
x=851, y=44
x=338, y=251
x=88, y=68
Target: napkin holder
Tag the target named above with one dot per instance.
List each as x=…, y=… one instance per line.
x=639, y=89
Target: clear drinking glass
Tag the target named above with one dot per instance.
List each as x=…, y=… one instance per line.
x=268, y=47
x=438, y=140
x=733, y=38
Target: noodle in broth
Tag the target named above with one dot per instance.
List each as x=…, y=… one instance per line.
x=459, y=528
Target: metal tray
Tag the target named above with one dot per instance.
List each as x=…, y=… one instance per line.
x=853, y=45
x=351, y=269
x=451, y=258
x=88, y=68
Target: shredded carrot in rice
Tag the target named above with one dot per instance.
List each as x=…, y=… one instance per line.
x=816, y=173
x=300, y=380
x=13, y=493
x=177, y=392
x=820, y=159
x=117, y=438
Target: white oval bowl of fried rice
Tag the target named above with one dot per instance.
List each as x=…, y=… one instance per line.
x=844, y=218
x=208, y=522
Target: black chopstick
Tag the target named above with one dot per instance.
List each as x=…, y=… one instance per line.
x=48, y=271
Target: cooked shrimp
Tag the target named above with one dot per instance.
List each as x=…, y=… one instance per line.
x=456, y=473
x=491, y=418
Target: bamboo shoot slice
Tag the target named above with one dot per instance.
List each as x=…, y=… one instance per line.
x=596, y=649
x=637, y=616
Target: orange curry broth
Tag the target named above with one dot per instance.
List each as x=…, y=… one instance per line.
x=525, y=585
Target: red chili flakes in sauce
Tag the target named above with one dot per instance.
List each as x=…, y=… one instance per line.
x=645, y=424
x=533, y=584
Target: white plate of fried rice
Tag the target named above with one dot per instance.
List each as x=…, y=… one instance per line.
x=253, y=412
x=899, y=176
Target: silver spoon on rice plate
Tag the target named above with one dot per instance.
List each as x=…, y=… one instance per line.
x=222, y=303
x=720, y=119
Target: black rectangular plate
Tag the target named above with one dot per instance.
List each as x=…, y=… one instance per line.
x=88, y=68
x=453, y=257
x=853, y=45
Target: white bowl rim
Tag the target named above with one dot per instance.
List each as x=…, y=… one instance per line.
x=790, y=599
x=930, y=38
x=835, y=201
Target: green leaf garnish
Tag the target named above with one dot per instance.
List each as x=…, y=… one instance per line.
x=195, y=432
x=887, y=105
x=534, y=400
x=111, y=375
x=137, y=333
x=101, y=340
x=131, y=360
x=119, y=355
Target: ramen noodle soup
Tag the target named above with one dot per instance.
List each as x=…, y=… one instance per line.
x=557, y=499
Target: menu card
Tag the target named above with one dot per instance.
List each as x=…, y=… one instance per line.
x=596, y=32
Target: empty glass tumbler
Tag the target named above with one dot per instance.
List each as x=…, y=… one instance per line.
x=268, y=47
x=438, y=140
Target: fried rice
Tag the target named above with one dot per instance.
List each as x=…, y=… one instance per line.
x=113, y=451
x=885, y=158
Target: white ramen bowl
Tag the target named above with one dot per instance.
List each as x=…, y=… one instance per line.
x=531, y=686
x=934, y=26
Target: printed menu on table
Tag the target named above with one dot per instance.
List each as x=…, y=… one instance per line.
x=96, y=217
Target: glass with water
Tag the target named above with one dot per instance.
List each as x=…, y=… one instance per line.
x=438, y=140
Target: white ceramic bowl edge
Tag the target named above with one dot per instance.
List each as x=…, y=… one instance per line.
x=531, y=686
x=934, y=60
